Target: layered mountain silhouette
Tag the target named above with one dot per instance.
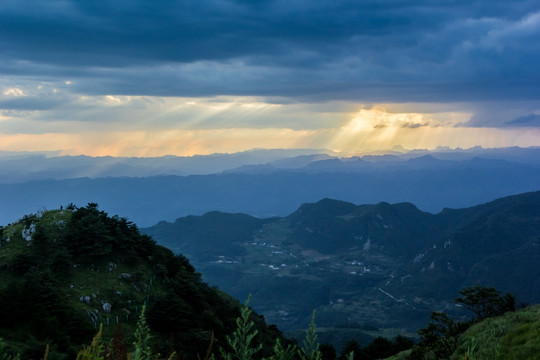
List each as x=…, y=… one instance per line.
x=147, y=200
x=262, y=183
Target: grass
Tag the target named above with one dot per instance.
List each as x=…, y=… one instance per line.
x=102, y=284
x=404, y=355
x=515, y=335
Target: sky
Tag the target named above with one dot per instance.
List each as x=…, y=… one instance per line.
x=160, y=77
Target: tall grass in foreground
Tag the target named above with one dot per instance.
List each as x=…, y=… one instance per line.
x=513, y=336
x=97, y=350
x=240, y=345
x=6, y=353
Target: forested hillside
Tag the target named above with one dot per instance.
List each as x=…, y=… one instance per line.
x=64, y=272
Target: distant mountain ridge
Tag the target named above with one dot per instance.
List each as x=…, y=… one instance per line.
x=262, y=191
x=19, y=167
x=383, y=265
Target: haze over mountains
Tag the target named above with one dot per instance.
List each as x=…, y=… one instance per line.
x=254, y=222
x=262, y=183
x=16, y=167
x=25, y=166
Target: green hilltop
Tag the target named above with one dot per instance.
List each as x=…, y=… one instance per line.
x=64, y=272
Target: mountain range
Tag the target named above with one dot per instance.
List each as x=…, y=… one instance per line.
x=262, y=183
x=365, y=269
x=26, y=166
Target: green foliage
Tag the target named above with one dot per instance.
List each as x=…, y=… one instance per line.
x=310, y=349
x=440, y=336
x=379, y=348
x=56, y=281
x=403, y=355
x=440, y=339
x=351, y=347
x=43, y=278
x=486, y=302
x=515, y=335
x=242, y=346
x=6, y=353
x=87, y=234
x=91, y=233
x=36, y=305
x=71, y=207
x=186, y=311
x=96, y=350
x=117, y=349
x=143, y=350
x=282, y=352
x=241, y=341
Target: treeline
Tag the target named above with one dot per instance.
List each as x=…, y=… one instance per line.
x=379, y=348
x=439, y=339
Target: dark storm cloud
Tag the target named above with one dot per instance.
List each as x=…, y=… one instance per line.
x=526, y=120
x=312, y=50
x=187, y=31
x=29, y=104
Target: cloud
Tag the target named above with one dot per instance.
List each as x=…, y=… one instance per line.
x=46, y=111
x=307, y=49
x=501, y=113
x=531, y=120
x=13, y=91
x=413, y=125
x=72, y=66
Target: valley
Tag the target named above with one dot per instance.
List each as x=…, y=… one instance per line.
x=366, y=270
